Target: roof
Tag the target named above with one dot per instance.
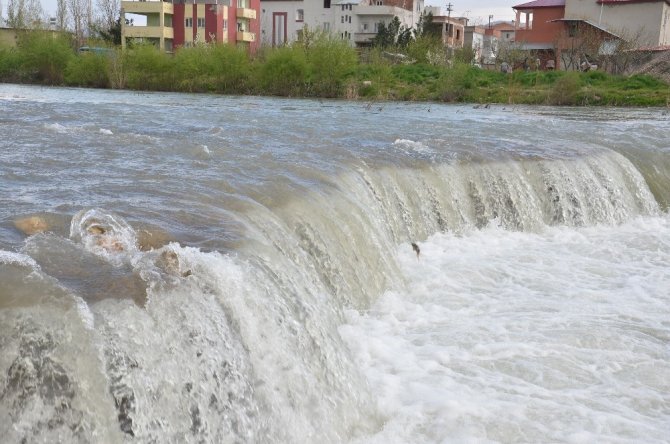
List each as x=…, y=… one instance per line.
x=540, y=4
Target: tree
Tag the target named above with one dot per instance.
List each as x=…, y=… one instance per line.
x=112, y=34
x=24, y=14
x=61, y=14
x=393, y=34
x=109, y=11
x=425, y=26
x=79, y=12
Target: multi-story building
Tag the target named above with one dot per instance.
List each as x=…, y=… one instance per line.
x=647, y=21
x=568, y=33
x=356, y=21
x=171, y=24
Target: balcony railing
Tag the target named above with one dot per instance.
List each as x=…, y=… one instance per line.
x=149, y=32
x=246, y=13
x=244, y=36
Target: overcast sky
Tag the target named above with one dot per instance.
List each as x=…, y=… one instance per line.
x=477, y=10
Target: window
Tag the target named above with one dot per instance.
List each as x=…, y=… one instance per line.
x=326, y=4
x=225, y=24
x=350, y=7
x=326, y=26
x=188, y=22
x=458, y=34
x=349, y=19
x=241, y=3
x=342, y=7
x=379, y=2
x=342, y=19
x=365, y=27
x=201, y=22
x=300, y=15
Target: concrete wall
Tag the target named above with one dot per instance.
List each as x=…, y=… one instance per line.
x=641, y=20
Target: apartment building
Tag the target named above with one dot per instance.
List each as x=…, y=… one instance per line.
x=171, y=24
x=356, y=21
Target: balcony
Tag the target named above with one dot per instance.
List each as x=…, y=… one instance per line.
x=148, y=32
x=134, y=7
x=364, y=37
x=244, y=36
x=246, y=13
x=381, y=10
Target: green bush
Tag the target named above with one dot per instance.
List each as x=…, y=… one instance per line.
x=147, y=68
x=10, y=65
x=232, y=68
x=90, y=70
x=420, y=48
x=193, y=70
x=44, y=56
x=455, y=82
x=331, y=61
x=284, y=71
x=566, y=90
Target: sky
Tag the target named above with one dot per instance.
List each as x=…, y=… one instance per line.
x=476, y=10
x=479, y=10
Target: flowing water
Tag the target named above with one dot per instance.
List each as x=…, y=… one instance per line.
x=189, y=268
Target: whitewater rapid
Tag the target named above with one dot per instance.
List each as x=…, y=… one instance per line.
x=555, y=336
x=197, y=268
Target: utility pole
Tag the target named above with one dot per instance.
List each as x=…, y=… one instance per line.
x=450, y=8
x=490, y=18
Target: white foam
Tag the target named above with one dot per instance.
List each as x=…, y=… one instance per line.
x=560, y=336
x=56, y=127
x=412, y=145
x=9, y=257
x=106, y=131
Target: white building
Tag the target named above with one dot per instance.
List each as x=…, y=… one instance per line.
x=354, y=20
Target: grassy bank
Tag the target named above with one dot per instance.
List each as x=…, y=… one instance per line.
x=317, y=67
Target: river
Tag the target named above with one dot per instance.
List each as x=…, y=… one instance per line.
x=201, y=268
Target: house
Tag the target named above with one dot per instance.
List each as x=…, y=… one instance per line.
x=453, y=28
x=356, y=21
x=502, y=30
x=536, y=26
x=171, y=24
x=646, y=21
x=570, y=33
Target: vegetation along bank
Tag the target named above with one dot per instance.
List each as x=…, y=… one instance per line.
x=319, y=66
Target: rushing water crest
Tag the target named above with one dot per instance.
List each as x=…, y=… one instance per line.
x=228, y=269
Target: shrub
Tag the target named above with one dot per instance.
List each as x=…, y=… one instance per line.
x=88, y=70
x=147, y=68
x=330, y=60
x=10, y=65
x=231, y=66
x=44, y=56
x=420, y=48
x=454, y=83
x=566, y=90
x=284, y=71
x=192, y=69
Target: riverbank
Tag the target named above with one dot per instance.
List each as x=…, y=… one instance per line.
x=323, y=68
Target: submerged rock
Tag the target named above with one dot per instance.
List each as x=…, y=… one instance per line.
x=31, y=225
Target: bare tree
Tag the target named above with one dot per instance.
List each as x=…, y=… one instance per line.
x=79, y=11
x=109, y=12
x=61, y=14
x=581, y=46
x=23, y=14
